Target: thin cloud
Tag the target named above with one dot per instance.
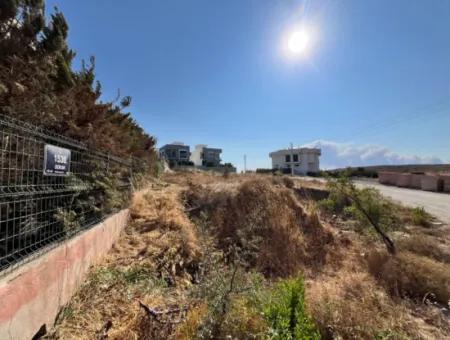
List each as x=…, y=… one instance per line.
x=340, y=155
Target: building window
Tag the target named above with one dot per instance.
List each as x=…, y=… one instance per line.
x=183, y=154
x=295, y=158
x=288, y=158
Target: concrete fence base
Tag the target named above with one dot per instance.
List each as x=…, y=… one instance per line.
x=33, y=294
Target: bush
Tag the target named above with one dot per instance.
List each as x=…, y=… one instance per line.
x=411, y=275
x=376, y=206
x=367, y=206
x=420, y=217
x=350, y=305
x=269, y=225
x=426, y=246
x=286, y=314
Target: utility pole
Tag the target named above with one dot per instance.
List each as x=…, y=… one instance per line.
x=292, y=159
x=245, y=164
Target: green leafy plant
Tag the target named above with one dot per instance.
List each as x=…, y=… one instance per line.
x=420, y=217
x=286, y=314
x=367, y=206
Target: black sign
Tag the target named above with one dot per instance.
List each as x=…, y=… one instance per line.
x=56, y=161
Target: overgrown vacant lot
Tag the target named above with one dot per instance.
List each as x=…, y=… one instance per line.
x=256, y=257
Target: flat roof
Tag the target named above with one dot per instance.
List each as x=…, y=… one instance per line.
x=297, y=150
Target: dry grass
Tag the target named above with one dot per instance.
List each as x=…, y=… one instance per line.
x=426, y=245
x=189, y=328
x=353, y=291
x=411, y=275
x=351, y=306
x=268, y=222
x=162, y=211
x=154, y=260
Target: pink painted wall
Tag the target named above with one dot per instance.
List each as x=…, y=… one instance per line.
x=388, y=178
x=430, y=182
x=32, y=295
x=446, y=182
x=404, y=180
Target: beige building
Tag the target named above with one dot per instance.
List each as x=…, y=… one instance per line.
x=303, y=160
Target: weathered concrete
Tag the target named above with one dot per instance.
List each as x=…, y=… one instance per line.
x=404, y=180
x=388, y=178
x=32, y=295
x=431, y=182
x=445, y=182
x=416, y=181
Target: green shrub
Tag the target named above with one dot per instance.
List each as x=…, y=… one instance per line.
x=286, y=314
x=420, y=217
x=360, y=204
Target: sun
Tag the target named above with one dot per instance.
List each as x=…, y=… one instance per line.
x=299, y=42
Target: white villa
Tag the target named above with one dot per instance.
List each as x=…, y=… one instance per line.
x=304, y=160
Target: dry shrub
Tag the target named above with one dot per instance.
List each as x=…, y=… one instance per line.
x=242, y=321
x=163, y=211
x=426, y=246
x=284, y=180
x=411, y=275
x=350, y=306
x=189, y=328
x=270, y=225
x=157, y=251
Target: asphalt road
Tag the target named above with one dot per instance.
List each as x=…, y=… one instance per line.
x=437, y=204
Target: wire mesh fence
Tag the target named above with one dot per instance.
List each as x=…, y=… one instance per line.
x=38, y=210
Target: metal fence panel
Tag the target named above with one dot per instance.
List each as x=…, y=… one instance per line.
x=36, y=210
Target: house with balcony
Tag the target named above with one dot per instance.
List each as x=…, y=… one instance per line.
x=303, y=160
x=175, y=154
x=205, y=156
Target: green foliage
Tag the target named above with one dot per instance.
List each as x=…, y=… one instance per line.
x=420, y=217
x=135, y=276
x=359, y=204
x=39, y=86
x=377, y=207
x=69, y=220
x=286, y=314
x=367, y=206
x=337, y=200
x=349, y=172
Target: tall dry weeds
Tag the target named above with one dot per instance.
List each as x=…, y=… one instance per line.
x=351, y=306
x=271, y=226
x=154, y=260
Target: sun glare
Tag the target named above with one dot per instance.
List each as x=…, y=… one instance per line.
x=297, y=43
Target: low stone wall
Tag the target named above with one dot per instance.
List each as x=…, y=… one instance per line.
x=430, y=182
x=445, y=183
x=388, y=178
x=416, y=181
x=33, y=294
x=404, y=180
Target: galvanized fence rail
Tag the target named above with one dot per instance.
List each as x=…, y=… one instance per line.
x=36, y=210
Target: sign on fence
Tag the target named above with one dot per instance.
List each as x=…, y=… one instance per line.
x=56, y=161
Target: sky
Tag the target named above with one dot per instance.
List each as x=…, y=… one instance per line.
x=372, y=87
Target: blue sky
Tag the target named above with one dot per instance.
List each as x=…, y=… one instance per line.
x=375, y=80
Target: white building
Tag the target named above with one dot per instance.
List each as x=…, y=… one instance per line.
x=204, y=156
x=304, y=160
